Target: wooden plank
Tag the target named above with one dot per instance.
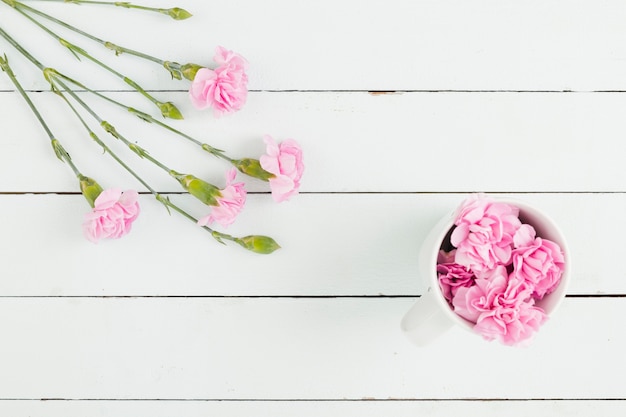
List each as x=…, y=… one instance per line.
x=305, y=349
x=337, y=244
x=381, y=45
x=311, y=408
x=352, y=142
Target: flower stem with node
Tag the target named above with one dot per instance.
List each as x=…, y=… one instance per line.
x=168, y=109
x=59, y=150
x=90, y=189
x=176, y=70
x=246, y=166
x=254, y=243
x=175, y=13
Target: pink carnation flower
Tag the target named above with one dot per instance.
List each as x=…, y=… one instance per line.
x=511, y=325
x=224, y=88
x=451, y=277
x=471, y=302
x=501, y=307
x=285, y=162
x=229, y=203
x=537, y=261
x=112, y=216
x=484, y=233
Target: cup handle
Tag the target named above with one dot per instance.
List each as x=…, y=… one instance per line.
x=425, y=321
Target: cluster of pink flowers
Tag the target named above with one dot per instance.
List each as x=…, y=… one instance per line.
x=114, y=212
x=224, y=88
x=497, y=270
x=283, y=161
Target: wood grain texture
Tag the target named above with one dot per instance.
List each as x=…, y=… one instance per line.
x=177, y=348
x=366, y=408
x=353, y=142
x=381, y=45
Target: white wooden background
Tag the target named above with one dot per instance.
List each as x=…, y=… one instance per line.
x=402, y=108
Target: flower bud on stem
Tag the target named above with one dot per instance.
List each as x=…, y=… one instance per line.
x=248, y=166
x=60, y=152
x=168, y=109
x=175, y=13
x=177, y=71
x=91, y=190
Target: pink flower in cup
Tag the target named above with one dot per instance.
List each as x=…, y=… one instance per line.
x=224, y=88
x=229, y=203
x=484, y=233
x=471, y=302
x=539, y=262
x=451, y=277
x=112, y=216
x=284, y=161
x=511, y=325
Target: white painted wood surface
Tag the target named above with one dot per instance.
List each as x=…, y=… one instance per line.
x=523, y=99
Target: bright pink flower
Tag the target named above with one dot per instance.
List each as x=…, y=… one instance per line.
x=112, y=216
x=229, y=203
x=484, y=233
x=225, y=88
x=539, y=262
x=451, y=277
x=285, y=162
x=511, y=325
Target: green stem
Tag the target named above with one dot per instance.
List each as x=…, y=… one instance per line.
x=109, y=128
x=60, y=152
x=109, y=45
x=19, y=48
x=106, y=149
x=167, y=109
x=164, y=200
x=147, y=118
x=175, y=12
x=216, y=235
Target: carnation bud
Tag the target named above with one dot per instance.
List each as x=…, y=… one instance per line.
x=189, y=70
x=90, y=189
x=170, y=111
x=258, y=244
x=173, y=68
x=177, y=13
x=252, y=167
x=202, y=190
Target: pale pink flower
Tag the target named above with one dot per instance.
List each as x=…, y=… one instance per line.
x=484, y=233
x=224, y=88
x=225, y=57
x=471, y=302
x=511, y=325
x=501, y=307
x=229, y=204
x=451, y=277
x=112, y=216
x=540, y=262
x=284, y=161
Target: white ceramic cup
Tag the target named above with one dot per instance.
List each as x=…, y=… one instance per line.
x=431, y=315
